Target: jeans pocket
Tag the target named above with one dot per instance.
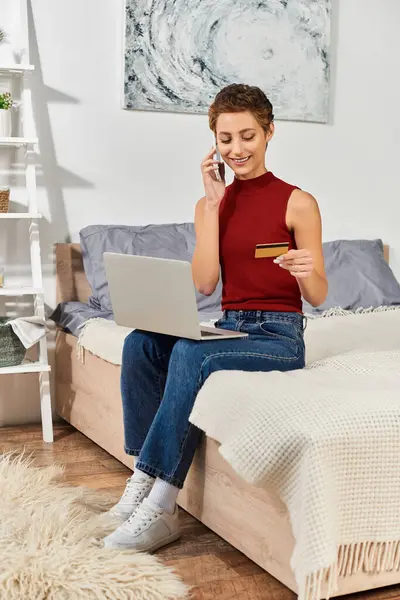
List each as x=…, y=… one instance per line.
x=285, y=332
x=224, y=323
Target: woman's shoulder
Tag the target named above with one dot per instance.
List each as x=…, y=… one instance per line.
x=302, y=203
x=278, y=182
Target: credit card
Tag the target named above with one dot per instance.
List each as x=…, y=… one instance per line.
x=271, y=250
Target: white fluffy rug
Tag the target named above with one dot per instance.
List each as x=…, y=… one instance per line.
x=51, y=548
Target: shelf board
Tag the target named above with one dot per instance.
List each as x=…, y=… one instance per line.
x=20, y=215
x=17, y=141
x=16, y=69
x=20, y=291
x=25, y=367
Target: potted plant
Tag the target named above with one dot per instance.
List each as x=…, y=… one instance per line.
x=6, y=103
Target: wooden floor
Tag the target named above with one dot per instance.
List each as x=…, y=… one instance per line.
x=215, y=569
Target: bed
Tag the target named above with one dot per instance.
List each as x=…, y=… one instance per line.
x=88, y=397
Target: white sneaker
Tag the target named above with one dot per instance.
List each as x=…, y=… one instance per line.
x=148, y=529
x=135, y=492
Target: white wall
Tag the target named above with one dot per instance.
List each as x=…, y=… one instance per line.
x=102, y=164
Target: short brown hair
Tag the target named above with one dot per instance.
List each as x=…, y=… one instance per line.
x=239, y=97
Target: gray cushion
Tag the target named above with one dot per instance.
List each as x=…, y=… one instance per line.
x=358, y=276
x=174, y=241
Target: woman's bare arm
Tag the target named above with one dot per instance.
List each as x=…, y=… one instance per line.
x=205, y=263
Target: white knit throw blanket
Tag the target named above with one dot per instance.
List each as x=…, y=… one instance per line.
x=327, y=439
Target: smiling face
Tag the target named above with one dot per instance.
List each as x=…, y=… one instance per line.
x=242, y=143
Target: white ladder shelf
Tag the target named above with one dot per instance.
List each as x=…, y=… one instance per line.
x=29, y=143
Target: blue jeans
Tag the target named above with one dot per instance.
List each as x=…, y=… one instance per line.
x=162, y=374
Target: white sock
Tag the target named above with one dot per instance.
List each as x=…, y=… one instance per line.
x=164, y=495
x=141, y=477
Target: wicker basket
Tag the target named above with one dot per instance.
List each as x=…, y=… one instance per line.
x=4, y=199
x=12, y=350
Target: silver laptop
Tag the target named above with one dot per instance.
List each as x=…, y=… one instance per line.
x=157, y=294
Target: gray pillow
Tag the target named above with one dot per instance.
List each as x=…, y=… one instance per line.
x=70, y=316
x=174, y=241
x=358, y=276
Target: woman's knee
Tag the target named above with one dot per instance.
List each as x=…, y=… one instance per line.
x=185, y=351
x=136, y=343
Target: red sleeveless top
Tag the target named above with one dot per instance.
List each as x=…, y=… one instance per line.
x=253, y=211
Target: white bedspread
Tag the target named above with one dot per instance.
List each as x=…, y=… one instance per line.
x=103, y=338
x=324, y=337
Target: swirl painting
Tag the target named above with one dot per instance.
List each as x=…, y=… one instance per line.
x=180, y=53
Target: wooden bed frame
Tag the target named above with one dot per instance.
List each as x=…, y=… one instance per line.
x=88, y=397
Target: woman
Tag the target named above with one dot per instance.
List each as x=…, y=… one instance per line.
x=161, y=375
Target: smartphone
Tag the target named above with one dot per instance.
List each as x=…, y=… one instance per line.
x=221, y=165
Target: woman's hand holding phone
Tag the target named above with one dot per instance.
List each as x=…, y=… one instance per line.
x=213, y=172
